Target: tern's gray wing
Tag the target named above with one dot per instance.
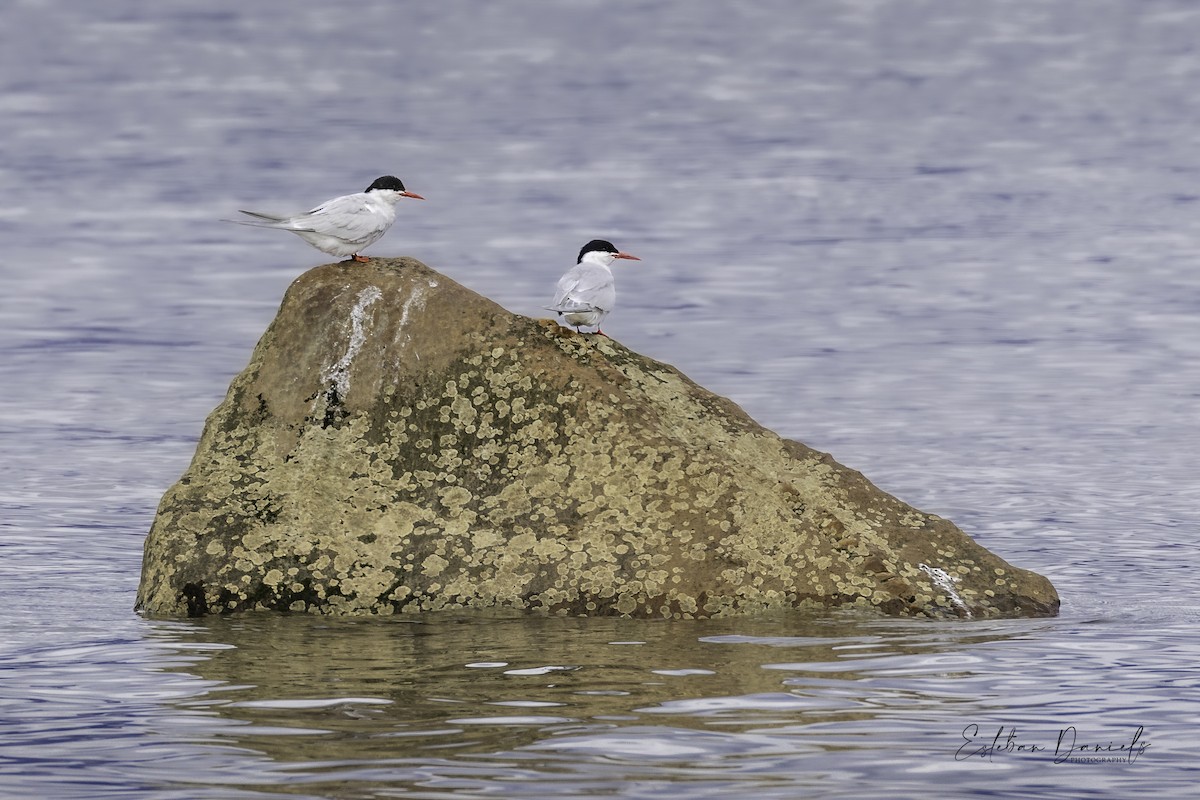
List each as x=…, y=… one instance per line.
x=349, y=218
x=299, y=223
x=585, y=286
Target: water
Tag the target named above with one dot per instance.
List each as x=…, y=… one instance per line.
x=954, y=244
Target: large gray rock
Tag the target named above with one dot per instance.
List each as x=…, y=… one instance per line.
x=399, y=443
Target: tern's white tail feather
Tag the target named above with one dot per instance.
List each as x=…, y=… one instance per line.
x=568, y=306
x=260, y=219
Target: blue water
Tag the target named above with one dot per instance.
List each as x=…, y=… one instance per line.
x=957, y=245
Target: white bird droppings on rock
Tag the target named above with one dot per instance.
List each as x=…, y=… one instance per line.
x=339, y=373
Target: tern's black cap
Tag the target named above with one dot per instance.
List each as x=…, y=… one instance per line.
x=594, y=245
x=387, y=182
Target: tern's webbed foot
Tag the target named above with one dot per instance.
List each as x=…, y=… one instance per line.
x=360, y=259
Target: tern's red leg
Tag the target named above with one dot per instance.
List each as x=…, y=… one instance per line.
x=361, y=259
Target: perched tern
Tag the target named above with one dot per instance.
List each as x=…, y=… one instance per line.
x=586, y=293
x=344, y=225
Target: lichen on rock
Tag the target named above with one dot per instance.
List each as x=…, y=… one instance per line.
x=400, y=444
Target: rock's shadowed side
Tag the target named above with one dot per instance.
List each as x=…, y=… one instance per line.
x=399, y=443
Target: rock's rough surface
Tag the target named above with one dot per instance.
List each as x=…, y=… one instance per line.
x=399, y=443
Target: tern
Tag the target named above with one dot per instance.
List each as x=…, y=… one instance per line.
x=586, y=293
x=344, y=225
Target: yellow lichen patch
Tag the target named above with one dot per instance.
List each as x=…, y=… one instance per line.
x=454, y=498
x=433, y=565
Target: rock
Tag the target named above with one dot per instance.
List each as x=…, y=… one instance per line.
x=400, y=444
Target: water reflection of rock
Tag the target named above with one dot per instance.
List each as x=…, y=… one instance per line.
x=303, y=688
x=399, y=443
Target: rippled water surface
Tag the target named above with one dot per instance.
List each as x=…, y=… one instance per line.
x=956, y=245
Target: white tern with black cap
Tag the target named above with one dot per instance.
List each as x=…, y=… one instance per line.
x=344, y=225
x=587, y=292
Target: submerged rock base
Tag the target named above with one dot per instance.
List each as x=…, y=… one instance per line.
x=399, y=443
